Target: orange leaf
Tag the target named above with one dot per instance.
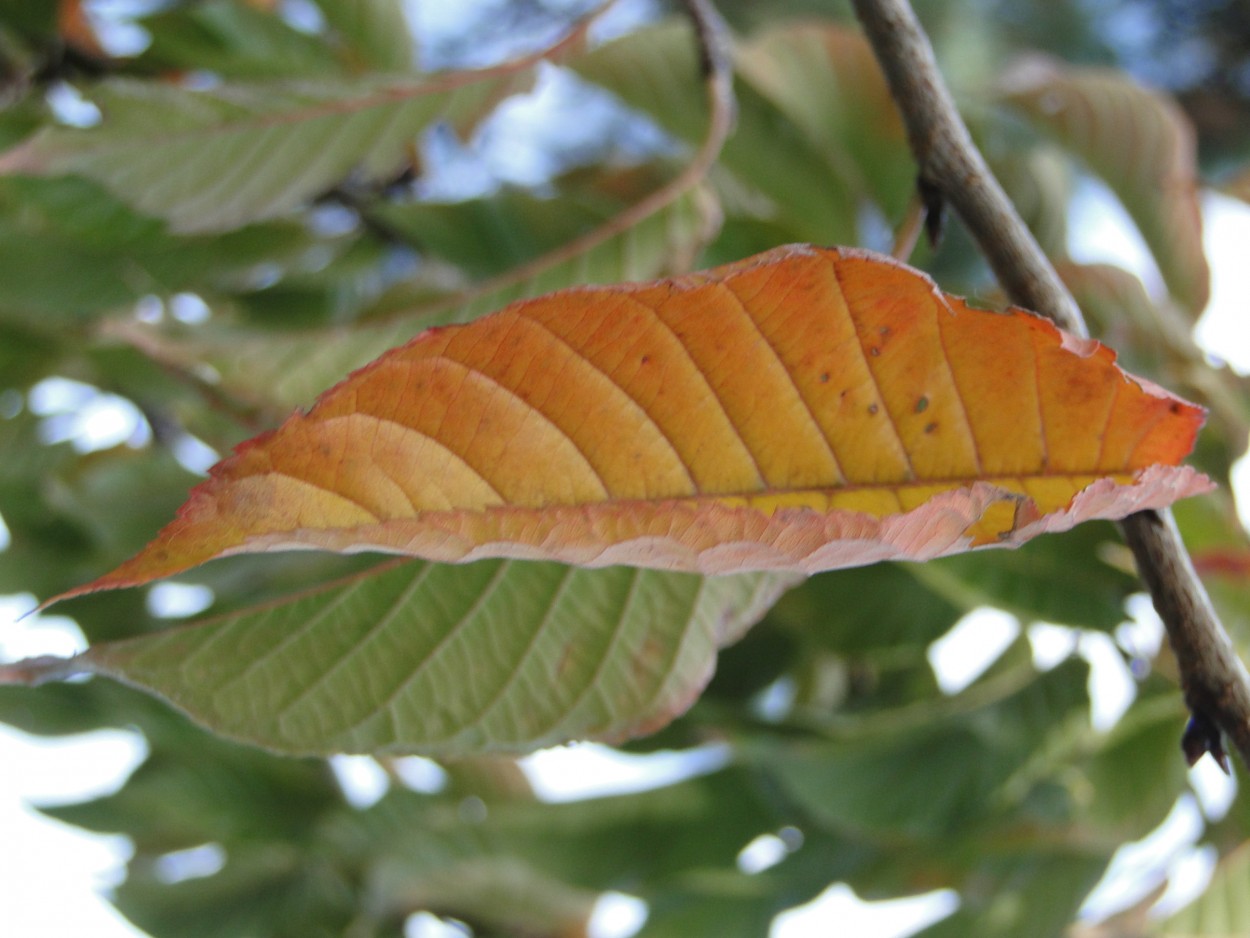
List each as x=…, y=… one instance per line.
x=803, y=409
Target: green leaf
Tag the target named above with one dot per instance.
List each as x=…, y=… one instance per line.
x=1134, y=776
x=498, y=656
x=968, y=758
x=233, y=39
x=1023, y=894
x=654, y=71
x=1024, y=581
x=216, y=159
x=825, y=79
x=893, y=609
x=374, y=33
x=489, y=236
x=281, y=370
x=1117, y=306
x=208, y=789
x=1038, y=180
x=1140, y=143
x=69, y=251
x=725, y=906
x=269, y=890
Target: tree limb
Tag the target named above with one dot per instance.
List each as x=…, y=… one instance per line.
x=1215, y=682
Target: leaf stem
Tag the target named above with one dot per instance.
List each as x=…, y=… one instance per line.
x=908, y=232
x=31, y=672
x=1215, y=681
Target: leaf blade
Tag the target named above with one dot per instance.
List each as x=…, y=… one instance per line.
x=1141, y=144
x=163, y=149
x=380, y=662
x=804, y=409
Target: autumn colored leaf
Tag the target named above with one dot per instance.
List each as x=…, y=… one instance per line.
x=1140, y=144
x=800, y=410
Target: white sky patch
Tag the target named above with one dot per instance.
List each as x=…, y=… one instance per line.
x=1139, y=867
x=1111, y=685
x=70, y=107
x=420, y=774
x=1141, y=635
x=973, y=644
x=838, y=904
x=1241, y=489
x=194, y=454
x=589, y=770
x=616, y=915
x=767, y=850
x=189, y=308
x=36, y=634
x=1223, y=331
x=85, y=416
x=53, y=874
x=178, y=600
x=425, y=925
x=1100, y=231
x=1214, y=790
x=303, y=15
x=362, y=780
x=1052, y=644
x=114, y=25
x=193, y=863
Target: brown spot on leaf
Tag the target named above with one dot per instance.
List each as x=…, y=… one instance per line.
x=649, y=659
x=565, y=660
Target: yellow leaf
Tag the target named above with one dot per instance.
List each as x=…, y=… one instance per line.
x=803, y=409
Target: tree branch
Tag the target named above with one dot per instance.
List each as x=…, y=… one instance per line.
x=1215, y=682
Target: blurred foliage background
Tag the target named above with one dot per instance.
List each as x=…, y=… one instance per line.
x=203, y=284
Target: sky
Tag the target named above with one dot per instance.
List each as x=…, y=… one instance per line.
x=55, y=875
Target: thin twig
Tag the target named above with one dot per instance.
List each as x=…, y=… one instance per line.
x=1215, y=682
x=251, y=416
x=908, y=232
